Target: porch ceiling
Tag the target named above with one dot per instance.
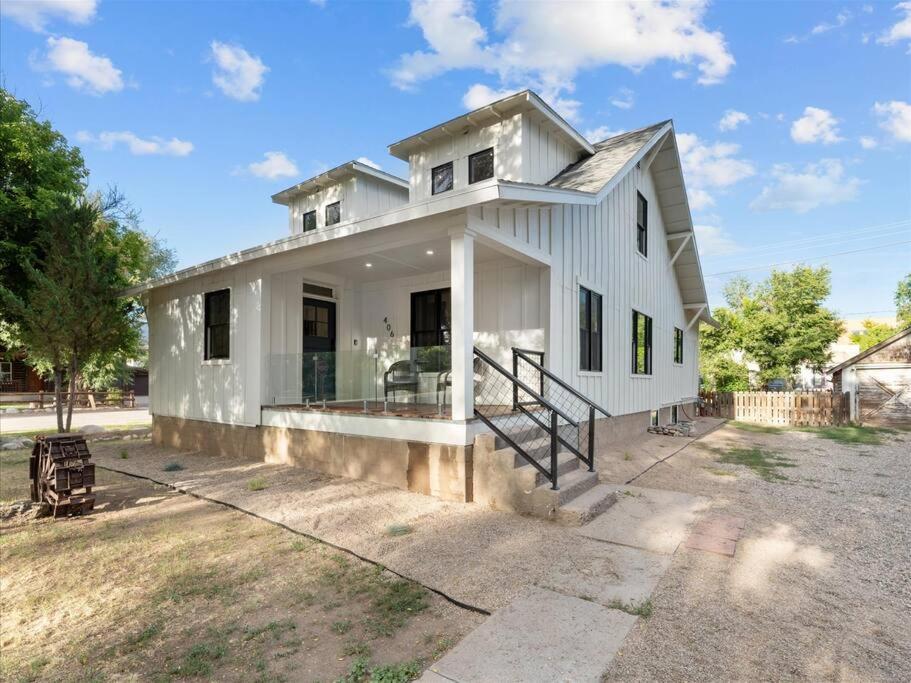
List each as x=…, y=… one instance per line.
x=403, y=260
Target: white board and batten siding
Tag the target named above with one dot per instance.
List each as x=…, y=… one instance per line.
x=359, y=197
x=595, y=247
x=182, y=383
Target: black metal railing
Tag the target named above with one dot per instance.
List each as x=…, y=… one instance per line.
x=535, y=428
x=528, y=367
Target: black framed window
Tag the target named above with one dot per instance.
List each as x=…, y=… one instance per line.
x=333, y=213
x=441, y=178
x=674, y=415
x=217, y=325
x=678, y=345
x=590, y=310
x=642, y=344
x=309, y=221
x=430, y=318
x=480, y=166
x=641, y=224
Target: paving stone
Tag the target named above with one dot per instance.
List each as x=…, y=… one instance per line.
x=712, y=544
x=719, y=528
x=540, y=636
x=652, y=519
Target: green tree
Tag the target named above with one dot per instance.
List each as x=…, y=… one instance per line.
x=722, y=373
x=903, y=302
x=779, y=323
x=38, y=169
x=872, y=334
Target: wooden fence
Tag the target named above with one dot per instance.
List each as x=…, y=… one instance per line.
x=91, y=399
x=784, y=408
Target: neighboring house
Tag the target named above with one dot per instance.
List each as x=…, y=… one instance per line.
x=349, y=346
x=18, y=380
x=879, y=380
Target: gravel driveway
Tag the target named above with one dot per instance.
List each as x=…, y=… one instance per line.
x=820, y=586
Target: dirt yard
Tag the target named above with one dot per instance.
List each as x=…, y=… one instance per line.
x=820, y=585
x=160, y=586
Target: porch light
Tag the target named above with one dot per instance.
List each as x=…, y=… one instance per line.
x=430, y=252
x=368, y=265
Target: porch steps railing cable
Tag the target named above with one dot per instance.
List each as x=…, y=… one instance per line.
x=528, y=367
x=530, y=424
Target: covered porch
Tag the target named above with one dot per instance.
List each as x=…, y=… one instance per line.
x=384, y=329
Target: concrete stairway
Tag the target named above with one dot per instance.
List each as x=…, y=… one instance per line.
x=505, y=480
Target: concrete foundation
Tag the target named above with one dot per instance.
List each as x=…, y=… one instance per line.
x=437, y=470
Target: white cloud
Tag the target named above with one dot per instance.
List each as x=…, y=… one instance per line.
x=370, y=163
x=545, y=44
x=731, y=119
x=274, y=165
x=708, y=166
x=137, y=145
x=820, y=184
x=714, y=241
x=624, y=99
x=901, y=30
x=36, y=14
x=84, y=70
x=867, y=142
x=895, y=117
x=600, y=133
x=842, y=18
x=238, y=74
x=816, y=125
x=479, y=95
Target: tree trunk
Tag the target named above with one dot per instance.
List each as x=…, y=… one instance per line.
x=58, y=396
x=69, y=413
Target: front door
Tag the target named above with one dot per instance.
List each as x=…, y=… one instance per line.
x=318, y=362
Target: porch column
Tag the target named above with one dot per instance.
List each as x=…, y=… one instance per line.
x=461, y=263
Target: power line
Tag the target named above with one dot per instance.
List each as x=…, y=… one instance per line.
x=814, y=258
x=771, y=251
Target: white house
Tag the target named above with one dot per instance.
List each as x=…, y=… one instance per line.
x=376, y=340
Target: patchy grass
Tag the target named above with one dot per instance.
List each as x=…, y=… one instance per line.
x=398, y=529
x=109, y=429
x=14, y=482
x=124, y=454
x=718, y=472
x=640, y=609
x=180, y=589
x=764, y=464
x=257, y=484
x=173, y=467
x=850, y=435
x=757, y=428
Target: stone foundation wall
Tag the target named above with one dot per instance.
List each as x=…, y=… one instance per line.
x=437, y=470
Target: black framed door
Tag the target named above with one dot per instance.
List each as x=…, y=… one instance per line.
x=318, y=345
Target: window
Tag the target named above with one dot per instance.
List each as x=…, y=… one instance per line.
x=480, y=166
x=641, y=224
x=678, y=345
x=654, y=418
x=218, y=325
x=309, y=221
x=6, y=371
x=589, y=330
x=674, y=416
x=642, y=344
x=333, y=213
x=430, y=318
x=309, y=288
x=441, y=177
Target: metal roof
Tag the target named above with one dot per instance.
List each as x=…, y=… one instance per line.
x=335, y=175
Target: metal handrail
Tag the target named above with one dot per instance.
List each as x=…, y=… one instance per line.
x=575, y=392
x=523, y=386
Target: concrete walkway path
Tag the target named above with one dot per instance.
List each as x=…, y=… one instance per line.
x=11, y=423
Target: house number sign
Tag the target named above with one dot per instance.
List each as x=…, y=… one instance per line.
x=389, y=326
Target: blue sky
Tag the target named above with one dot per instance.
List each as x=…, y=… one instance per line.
x=794, y=118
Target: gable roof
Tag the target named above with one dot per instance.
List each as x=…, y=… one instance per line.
x=873, y=349
x=594, y=172
x=524, y=100
x=334, y=176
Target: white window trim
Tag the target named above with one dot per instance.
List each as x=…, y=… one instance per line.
x=577, y=364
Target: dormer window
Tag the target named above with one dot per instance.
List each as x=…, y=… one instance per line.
x=309, y=221
x=333, y=213
x=441, y=177
x=480, y=166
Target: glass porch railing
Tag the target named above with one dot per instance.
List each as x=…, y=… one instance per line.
x=405, y=381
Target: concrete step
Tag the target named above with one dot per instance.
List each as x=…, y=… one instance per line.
x=585, y=507
x=532, y=478
x=572, y=485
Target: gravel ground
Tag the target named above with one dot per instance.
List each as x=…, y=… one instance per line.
x=820, y=586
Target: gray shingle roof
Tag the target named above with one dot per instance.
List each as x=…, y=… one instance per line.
x=593, y=173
